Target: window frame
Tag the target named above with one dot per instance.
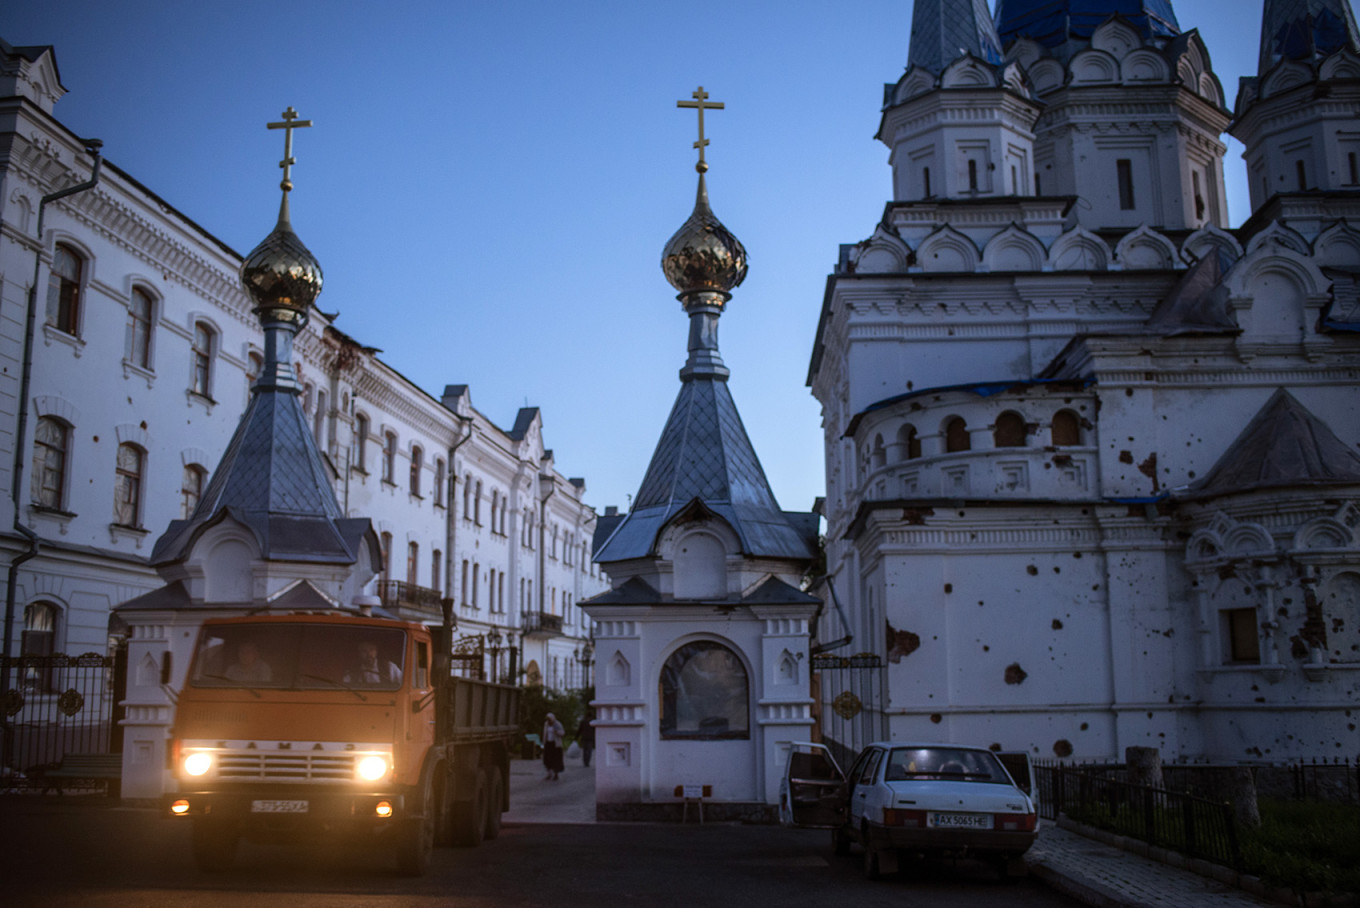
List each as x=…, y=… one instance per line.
x=140, y=326
x=66, y=293
x=201, y=358
x=41, y=467
x=128, y=486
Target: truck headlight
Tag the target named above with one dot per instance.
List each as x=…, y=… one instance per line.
x=371, y=768
x=198, y=763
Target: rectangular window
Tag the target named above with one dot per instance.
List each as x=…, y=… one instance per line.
x=972, y=175
x=435, y=563
x=360, y=441
x=926, y=174
x=202, y=352
x=1302, y=174
x=127, y=488
x=63, y=290
x=1243, y=639
x=1354, y=169
x=138, y=346
x=49, y=463
x=1124, y=172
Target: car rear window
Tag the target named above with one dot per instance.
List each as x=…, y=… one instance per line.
x=948, y=763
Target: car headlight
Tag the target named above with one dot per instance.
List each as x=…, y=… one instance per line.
x=198, y=763
x=371, y=768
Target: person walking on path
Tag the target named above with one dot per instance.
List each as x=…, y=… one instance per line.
x=585, y=736
x=553, y=734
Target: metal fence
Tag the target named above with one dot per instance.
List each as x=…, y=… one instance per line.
x=849, y=691
x=58, y=705
x=1193, y=826
x=1337, y=781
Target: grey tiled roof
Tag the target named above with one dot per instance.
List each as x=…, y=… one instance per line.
x=1197, y=304
x=705, y=455
x=273, y=480
x=1283, y=445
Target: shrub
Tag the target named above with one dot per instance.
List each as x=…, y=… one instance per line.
x=1306, y=846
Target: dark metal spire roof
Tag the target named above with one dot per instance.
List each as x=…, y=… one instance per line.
x=1305, y=30
x=1054, y=22
x=944, y=30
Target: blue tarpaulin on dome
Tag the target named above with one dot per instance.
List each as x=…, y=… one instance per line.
x=1051, y=22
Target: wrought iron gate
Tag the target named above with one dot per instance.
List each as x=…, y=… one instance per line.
x=850, y=702
x=58, y=705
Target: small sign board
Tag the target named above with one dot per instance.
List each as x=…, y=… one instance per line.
x=693, y=792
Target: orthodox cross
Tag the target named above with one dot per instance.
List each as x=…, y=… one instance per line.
x=700, y=97
x=290, y=123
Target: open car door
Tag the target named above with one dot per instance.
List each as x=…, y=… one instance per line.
x=1018, y=764
x=812, y=790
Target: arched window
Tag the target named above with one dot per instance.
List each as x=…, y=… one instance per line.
x=1066, y=429
x=476, y=581
x=63, y=289
x=360, y=441
x=700, y=567
x=500, y=592
x=436, y=563
x=390, y=457
x=417, y=464
x=495, y=507
x=477, y=504
x=439, y=480
x=412, y=562
x=463, y=589
x=467, y=497
x=191, y=488
x=878, y=455
x=956, y=435
x=127, y=486
x=704, y=694
x=137, y=348
x=386, y=556
x=204, y=340
x=51, y=441
x=908, y=443
x=1009, y=431
x=39, y=640
x=505, y=506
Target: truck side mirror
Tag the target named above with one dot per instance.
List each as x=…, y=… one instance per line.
x=166, y=663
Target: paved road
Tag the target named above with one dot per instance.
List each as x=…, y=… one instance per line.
x=70, y=852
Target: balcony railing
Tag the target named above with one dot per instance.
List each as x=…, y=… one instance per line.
x=398, y=594
x=541, y=624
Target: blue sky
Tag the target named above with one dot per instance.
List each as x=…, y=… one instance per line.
x=489, y=186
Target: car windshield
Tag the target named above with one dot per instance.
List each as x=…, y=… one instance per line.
x=299, y=657
x=951, y=763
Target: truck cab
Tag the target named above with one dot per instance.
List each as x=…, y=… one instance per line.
x=331, y=723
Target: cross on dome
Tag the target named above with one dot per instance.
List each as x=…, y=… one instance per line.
x=288, y=125
x=700, y=96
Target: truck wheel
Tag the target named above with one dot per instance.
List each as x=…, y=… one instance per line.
x=214, y=844
x=494, y=804
x=470, y=815
x=415, y=837
x=444, y=812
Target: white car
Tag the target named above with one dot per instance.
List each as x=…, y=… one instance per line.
x=923, y=799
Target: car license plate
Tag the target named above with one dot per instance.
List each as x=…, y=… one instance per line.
x=961, y=820
x=278, y=806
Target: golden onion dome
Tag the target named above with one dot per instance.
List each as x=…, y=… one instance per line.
x=703, y=255
x=281, y=273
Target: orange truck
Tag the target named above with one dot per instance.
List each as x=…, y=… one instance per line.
x=293, y=725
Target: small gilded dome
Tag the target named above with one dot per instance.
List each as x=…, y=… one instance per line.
x=281, y=272
x=703, y=254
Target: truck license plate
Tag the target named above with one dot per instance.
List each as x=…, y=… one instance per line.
x=961, y=820
x=278, y=806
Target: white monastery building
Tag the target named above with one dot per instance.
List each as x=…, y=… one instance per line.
x=129, y=347
x=1091, y=455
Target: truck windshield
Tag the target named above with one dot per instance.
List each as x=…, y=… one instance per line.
x=299, y=657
